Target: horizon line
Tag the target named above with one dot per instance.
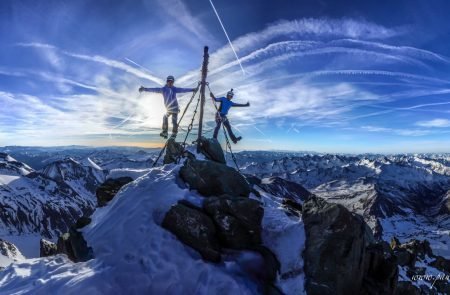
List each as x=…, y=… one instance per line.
x=238, y=151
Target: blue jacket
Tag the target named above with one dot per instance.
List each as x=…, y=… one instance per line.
x=226, y=104
x=170, y=96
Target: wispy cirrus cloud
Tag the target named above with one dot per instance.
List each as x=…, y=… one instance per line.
x=402, y=132
x=313, y=30
x=97, y=59
x=178, y=12
x=435, y=123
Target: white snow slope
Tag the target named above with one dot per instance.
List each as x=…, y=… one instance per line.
x=135, y=255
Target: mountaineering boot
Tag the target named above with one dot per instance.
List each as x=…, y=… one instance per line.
x=163, y=134
x=173, y=135
x=237, y=139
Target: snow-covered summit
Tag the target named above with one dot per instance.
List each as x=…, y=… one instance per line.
x=9, y=166
x=134, y=254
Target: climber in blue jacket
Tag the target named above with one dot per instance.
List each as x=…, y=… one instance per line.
x=221, y=115
x=169, y=93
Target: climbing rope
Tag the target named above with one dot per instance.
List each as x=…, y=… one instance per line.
x=179, y=121
x=228, y=145
x=188, y=131
x=192, y=122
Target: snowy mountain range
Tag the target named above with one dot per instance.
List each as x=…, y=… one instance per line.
x=398, y=195
x=401, y=196
x=45, y=202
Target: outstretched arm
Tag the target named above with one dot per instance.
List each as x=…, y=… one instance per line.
x=214, y=98
x=182, y=90
x=241, y=104
x=155, y=90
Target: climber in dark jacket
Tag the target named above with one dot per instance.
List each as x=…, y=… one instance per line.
x=221, y=115
x=169, y=93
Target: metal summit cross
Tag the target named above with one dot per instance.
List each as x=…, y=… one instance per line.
x=202, y=94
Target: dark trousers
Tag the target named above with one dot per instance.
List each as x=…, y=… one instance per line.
x=223, y=119
x=165, y=125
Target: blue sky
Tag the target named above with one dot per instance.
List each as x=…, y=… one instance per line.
x=327, y=76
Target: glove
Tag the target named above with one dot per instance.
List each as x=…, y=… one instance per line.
x=141, y=88
x=247, y=104
x=212, y=95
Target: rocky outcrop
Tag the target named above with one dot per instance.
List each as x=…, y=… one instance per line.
x=381, y=271
x=214, y=179
x=339, y=255
x=441, y=264
x=195, y=229
x=9, y=250
x=406, y=288
x=409, y=253
x=445, y=205
x=238, y=220
x=415, y=257
x=211, y=149
x=334, y=245
x=47, y=248
x=82, y=222
x=225, y=224
x=74, y=246
x=107, y=190
x=174, y=151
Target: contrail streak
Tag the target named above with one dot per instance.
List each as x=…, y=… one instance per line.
x=136, y=64
x=225, y=31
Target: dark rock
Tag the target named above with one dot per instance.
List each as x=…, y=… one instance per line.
x=442, y=285
x=405, y=258
x=442, y=264
x=256, y=193
x=252, y=179
x=418, y=248
x=47, y=248
x=334, y=250
x=271, y=264
x=74, y=246
x=214, y=179
x=195, y=229
x=339, y=255
x=270, y=289
x=381, y=273
x=414, y=271
x=445, y=206
x=174, y=151
x=406, y=288
x=107, y=190
x=370, y=239
x=82, y=222
x=212, y=150
x=64, y=246
x=238, y=220
x=292, y=207
x=425, y=290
